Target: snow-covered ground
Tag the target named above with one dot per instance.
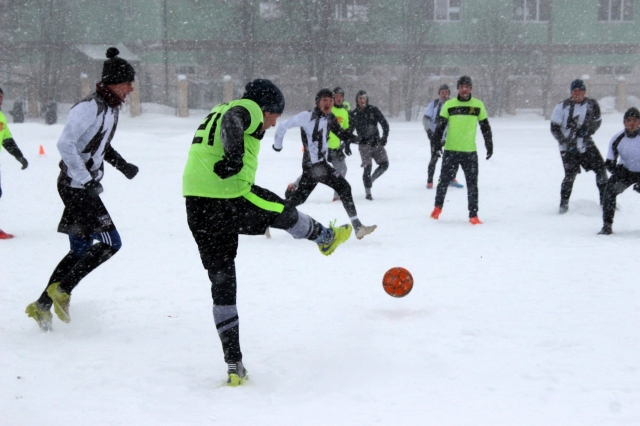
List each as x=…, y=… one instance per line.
x=528, y=319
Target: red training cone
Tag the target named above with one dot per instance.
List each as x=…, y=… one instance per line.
x=41, y=152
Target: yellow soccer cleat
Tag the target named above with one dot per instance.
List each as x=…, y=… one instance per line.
x=42, y=316
x=340, y=235
x=61, y=301
x=237, y=374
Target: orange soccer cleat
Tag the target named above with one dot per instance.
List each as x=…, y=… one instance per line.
x=475, y=221
x=4, y=235
x=435, y=214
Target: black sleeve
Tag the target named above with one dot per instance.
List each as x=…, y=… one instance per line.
x=485, y=128
x=112, y=157
x=336, y=128
x=441, y=124
x=556, y=131
x=233, y=125
x=611, y=165
x=12, y=148
x=593, y=121
x=383, y=122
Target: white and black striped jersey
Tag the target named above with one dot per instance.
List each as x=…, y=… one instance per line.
x=575, y=123
x=86, y=140
x=431, y=113
x=624, y=149
x=314, y=129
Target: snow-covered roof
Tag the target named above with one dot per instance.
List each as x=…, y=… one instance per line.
x=98, y=51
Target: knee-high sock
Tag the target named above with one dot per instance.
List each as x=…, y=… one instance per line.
x=94, y=257
x=59, y=272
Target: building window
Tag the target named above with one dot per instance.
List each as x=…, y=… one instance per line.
x=614, y=70
x=615, y=10
x=532, y=10
x=443, y=10
x=270, y=9
x=352, y=10
x=443, y=71
x=185, y=69
x=530, y=70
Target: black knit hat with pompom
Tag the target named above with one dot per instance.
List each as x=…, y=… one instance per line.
x=116, y=70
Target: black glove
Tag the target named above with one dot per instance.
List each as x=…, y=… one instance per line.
x=224, y=168
x=24, y=162
x=572, y=147
x=383, y=140
x=489, y=146
x=347, y=148
x=129, y=170
x=276, y=149
x=93, y=188
x=636, y=187
x=583, y=132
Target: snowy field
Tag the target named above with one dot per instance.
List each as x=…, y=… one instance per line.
x=528, y=319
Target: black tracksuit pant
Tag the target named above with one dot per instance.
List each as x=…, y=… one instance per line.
x=323, y=173
x=619, y=181
x=468, y=161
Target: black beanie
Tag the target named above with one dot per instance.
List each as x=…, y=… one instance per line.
x=116, y=70
x=465, y=79
x=444, y=87
x=266, y=94
x=339, y=90
x=323, y=93
x=632, y=112
x=577, y=84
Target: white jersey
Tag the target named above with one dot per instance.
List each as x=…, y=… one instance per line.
x=315, y=128
x=572, y=116
x=84, y=141
x=431, y=113
x=626, y=151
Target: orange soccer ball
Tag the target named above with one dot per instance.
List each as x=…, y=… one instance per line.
x=397, y=282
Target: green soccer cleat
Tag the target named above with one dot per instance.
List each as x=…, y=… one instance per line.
x=61, y=301
x=42, y=316
x=340, y=235
x=237, y=374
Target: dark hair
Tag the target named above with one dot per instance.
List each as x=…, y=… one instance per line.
x=337, y=90
x=323, y=93
x=444, y=87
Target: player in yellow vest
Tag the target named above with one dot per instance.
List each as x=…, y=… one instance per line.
x=338, y=149
x=7, y=141
x=223, y=201
x=460, y=117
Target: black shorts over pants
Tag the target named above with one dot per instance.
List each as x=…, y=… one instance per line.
x=83, y=214
x=216, y=222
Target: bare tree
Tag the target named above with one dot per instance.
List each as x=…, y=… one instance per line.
x=248, y=12
x=496, y=37
x=312, y=22
x=51, y=49
x=415, y=32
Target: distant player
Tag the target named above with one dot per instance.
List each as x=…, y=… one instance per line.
x=429, y=121
x=623, y=161
x=10, y=145
x=461, y=117
x=573, y=123
x=365, y=119
x=315, y=126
